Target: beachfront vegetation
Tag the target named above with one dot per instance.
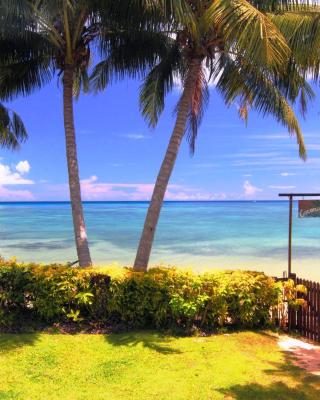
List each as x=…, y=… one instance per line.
x=163, y=298
x=147, y=365
x=257, y=54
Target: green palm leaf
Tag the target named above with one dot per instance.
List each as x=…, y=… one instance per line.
x=249, y=30
x=12, y=129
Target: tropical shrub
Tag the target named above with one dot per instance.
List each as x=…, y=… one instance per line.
x=288, y=298
x=160, y=298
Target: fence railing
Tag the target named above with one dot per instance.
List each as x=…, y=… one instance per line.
x=306, y=320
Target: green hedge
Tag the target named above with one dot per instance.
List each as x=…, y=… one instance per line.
x=161, y=298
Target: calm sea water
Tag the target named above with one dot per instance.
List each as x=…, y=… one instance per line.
x=202, y=235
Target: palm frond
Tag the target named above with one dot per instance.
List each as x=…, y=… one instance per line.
x=12, y=129
x=157, y=84
x=22, y=78
x=81, y=82
x=302, y=31
x=285, y=5
x=257, y=88
x=250, y=31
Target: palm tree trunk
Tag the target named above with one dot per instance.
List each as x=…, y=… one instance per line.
x=73, y=171
x=147, y=237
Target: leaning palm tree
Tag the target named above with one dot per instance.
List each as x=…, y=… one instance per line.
x=41, y=37
x=12, y=129
x=245, y=54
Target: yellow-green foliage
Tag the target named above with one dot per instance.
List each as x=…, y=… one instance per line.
x=160, y=298
x=289, y=294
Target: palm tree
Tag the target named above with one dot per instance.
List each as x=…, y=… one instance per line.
x=57, y=36
x=248, y=58
x=46, y=37
x=12, y=129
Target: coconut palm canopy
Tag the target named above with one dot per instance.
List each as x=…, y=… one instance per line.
x=254, y=71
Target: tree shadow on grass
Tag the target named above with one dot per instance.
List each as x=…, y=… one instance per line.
x=12, y=341
x=290, y=383
x=154, y=341
x=276, y=391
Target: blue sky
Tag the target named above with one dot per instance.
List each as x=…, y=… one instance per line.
x=120, y=156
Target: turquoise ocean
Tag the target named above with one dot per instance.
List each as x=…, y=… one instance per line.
x=199, y=235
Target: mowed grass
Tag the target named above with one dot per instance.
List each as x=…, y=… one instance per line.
x=146, y=365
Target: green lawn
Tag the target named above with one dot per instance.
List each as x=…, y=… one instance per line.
x=149, y=366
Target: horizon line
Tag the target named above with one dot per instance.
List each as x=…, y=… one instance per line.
x=137, y=201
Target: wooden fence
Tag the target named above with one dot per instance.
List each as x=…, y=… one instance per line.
x=306, y=321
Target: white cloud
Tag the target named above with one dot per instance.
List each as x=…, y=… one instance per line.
x=281, y=187
x=116, y=165
x=249, y=189
x=9, y=177
x=276, y=161
x=248, y=175
x=268, y=136
x=287, y=174
x=257, y=155
x=15, y=195
x=23, y=167
x=135, y=136
x=94, y=190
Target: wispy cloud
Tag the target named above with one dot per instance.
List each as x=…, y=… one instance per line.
x=252, y=155
x=275, y=162
x=135, y=136
x=268, y=136
x=285, y=174
x=15, y=195
x=250, y=190
x=281, y=187
x=116, y=165
x=93, y=189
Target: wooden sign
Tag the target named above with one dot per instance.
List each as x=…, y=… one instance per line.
x=309, y=208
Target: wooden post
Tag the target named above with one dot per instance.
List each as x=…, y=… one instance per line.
x=291, y=196
x=290, y=236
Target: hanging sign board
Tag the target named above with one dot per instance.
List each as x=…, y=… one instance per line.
x=309, y=208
